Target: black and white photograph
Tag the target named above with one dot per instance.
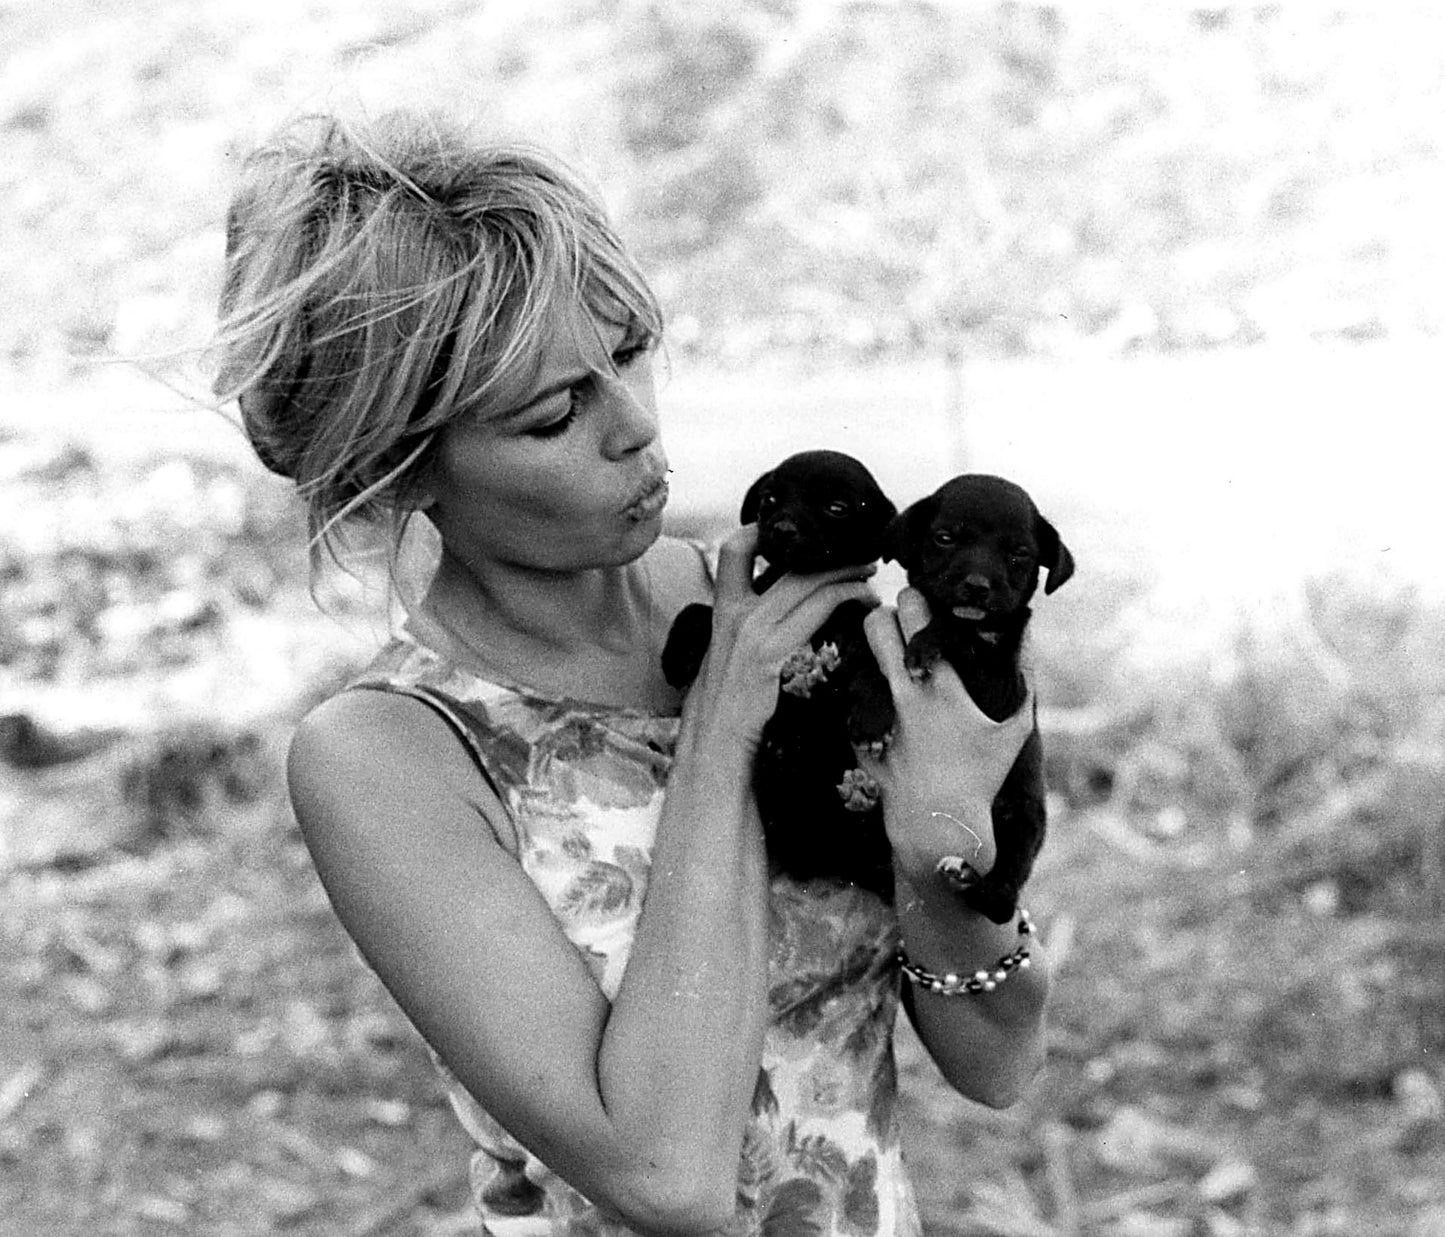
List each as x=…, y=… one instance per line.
x=782, y=618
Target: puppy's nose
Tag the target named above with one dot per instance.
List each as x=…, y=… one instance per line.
x=976, y=585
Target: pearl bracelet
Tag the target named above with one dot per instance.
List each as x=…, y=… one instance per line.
x=986, y=980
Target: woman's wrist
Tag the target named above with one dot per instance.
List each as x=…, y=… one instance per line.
x=941, y=934
x=973, y=980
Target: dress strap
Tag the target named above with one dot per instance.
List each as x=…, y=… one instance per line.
x=443, y=706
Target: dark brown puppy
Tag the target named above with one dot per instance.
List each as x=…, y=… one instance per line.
x=816, y=510
x=974, y=549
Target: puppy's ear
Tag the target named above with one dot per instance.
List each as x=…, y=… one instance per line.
x=881, y=508
x=900, y=538
x=753, y=499
x=1054, y=555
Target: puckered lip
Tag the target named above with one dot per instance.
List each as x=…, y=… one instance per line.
x=649, y=497
x=972, y=614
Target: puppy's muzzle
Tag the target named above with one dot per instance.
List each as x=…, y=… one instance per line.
x=973, y=591
x=783, y=534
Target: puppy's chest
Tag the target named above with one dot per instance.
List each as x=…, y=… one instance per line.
x=990, y=674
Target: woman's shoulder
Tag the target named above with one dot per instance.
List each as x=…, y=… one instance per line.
x=355, y=734
x=353, y=750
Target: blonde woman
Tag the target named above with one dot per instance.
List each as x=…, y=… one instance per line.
x=550, y=859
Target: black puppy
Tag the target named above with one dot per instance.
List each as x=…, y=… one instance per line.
x=816, y=510
x=974, y=548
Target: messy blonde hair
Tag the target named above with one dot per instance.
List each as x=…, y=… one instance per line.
x=381, y=283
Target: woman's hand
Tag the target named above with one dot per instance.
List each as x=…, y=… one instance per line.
x=754, y=633
x=947, y=758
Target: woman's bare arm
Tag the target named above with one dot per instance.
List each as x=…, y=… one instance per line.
x=940, y=776
x=641, y=1104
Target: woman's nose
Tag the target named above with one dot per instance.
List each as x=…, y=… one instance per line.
x=632, y=414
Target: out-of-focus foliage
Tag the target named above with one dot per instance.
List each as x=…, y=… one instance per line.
x=192, y=1046
x=864, y=177
x=110, y=571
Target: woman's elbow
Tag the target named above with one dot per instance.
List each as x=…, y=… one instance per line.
x=996, y=1093
x=1007, y=1083
x=677, y=1203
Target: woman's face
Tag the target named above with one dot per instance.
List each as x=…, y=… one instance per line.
x=572, y=474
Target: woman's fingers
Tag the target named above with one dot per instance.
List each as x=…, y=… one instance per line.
x=735, y=559
x=885, y=638
x=768, y=627
x=798, y=623
x=889, y=628
x=913, y=613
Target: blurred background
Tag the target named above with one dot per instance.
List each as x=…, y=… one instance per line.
x=1176, y=268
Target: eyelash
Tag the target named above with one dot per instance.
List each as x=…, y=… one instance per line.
x=633, y=348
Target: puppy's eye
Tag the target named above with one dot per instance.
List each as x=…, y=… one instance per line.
x=941, y=536
x=839, y=509
x=768, y=502
x=1021, y=555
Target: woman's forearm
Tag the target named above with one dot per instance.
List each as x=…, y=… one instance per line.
x=989, y=1045
x=679, y=1058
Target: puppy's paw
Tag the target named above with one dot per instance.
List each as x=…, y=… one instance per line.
x=859, y=791
x=922, y=653
x=877, y=748
x=919, y=663
x=806, y=668
x=871, y=715
x=957, y=871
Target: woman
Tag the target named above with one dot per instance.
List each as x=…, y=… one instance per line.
x=553, y=862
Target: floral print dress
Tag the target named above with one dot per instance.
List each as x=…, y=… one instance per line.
x=583, y=785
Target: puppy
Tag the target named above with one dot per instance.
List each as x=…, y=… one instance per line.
x=974, y=549
x=815, y=510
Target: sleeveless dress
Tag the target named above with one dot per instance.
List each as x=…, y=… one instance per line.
x=583, y=786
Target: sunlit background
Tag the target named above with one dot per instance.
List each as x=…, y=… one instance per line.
x=1176, y=268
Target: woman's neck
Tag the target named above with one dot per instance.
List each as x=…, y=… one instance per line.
x=591, y=635
x=557, y=613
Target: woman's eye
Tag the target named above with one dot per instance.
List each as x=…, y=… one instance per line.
x=553, y=429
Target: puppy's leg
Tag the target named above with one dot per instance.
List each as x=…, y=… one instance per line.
x=686, y=647
x=870, y=709
x=924, y=651
x=1019, y=824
